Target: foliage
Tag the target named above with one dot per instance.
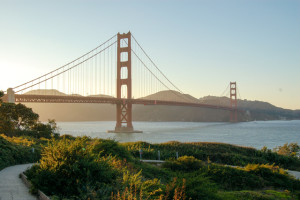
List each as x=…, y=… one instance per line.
x=216, y=152
x=110, y=147
x=272, y=168
x=258, y=195
x=1, y=95
x=81, y=169
x=258, y=177
x=253, y=176
x=136, y=187
x=85, y=168
x=274, y=176
x=288, y=149
x=174, y=191
x=184, y=163
x=16, y=153
x=19, y=140
x=199, y=187
x=152, y=172
x=17, y=119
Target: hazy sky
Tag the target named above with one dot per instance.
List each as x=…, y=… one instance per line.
x=200, y=45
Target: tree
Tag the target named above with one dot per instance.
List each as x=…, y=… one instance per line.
x=1, y=95
x=45, y=130
x=17, y=119
x=1, y=122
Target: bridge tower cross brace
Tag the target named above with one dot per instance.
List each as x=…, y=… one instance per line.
x=124, y=108
x=233, y=102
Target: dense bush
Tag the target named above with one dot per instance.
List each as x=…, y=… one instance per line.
x=259, y=195
x=274, y=176
x=291, y=149
x=230, y=178
x=184, y=163
x=68, y=168
x=85, y=168
x=216, y=152
x=12, y=153
x=110, y=147
x=200, y=187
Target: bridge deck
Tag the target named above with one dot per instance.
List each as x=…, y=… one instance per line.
x=81, y=99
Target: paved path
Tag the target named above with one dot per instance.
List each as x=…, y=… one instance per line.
x=11, y=186
x=296, y=174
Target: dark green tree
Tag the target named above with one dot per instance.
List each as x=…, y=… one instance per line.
x=17, y=119
x=1, y=122
x=1, y=95
x=45, y=130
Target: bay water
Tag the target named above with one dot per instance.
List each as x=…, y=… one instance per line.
x=252, y=134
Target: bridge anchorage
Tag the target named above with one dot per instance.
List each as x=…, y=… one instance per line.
x=113, y=73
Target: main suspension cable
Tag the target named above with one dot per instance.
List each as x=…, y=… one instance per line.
x=67, y=69
x=156, y=66
x=66, y=64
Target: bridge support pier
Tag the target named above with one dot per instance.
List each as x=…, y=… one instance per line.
x=233, y=102
x=10, y=95
x=124, y=108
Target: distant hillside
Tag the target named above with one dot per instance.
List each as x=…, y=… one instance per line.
x=253, y=110
x=56, y=92
x=256, y=110
x=170, y=95
x=45, y=92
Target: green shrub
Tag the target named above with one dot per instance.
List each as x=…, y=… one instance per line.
x=184, y=163
x=68, y=168
x=217, y=152
x=230, y=178
x=85, y=168
x=252, y=177
x=200, y=187
x=110, y=147
x=288, y=149
x=16, y=153
x=274, y=176
x=258, y=195
x=151, y=172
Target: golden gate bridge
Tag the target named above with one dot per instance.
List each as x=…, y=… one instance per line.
x=119, y=72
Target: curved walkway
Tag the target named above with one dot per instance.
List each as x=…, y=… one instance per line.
x=296, y=174
x=11, y=186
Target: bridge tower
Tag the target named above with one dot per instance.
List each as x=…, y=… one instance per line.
x=124, y=108
x=233, y=102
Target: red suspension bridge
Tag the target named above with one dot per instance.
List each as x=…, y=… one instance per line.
x=119, y=72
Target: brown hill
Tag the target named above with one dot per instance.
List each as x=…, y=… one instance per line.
x=45, y=92
x=171, y=95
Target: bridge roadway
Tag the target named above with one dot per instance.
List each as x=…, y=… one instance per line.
x=81, y=99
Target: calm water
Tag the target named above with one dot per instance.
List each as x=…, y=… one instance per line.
x=253, y=134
